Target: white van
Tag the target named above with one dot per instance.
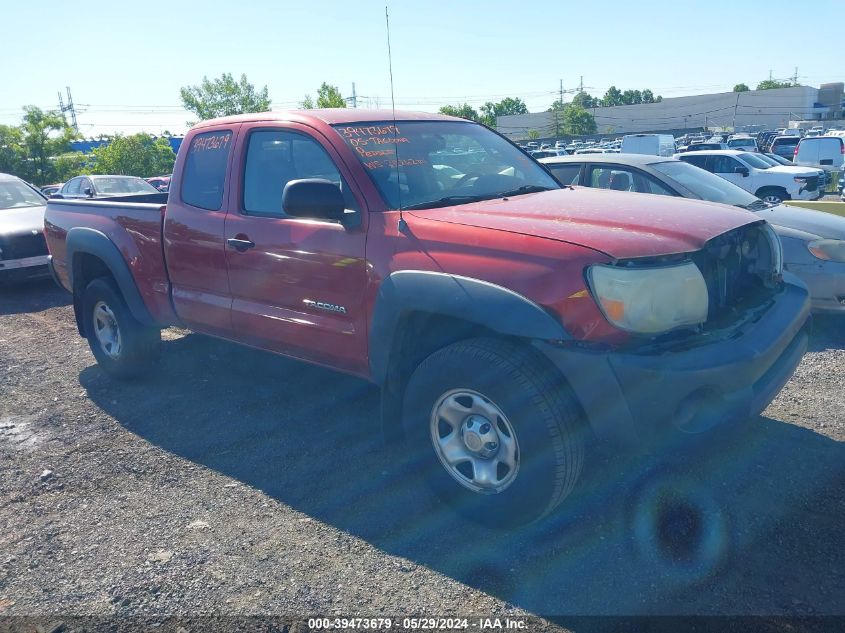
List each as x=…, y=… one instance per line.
x=827, y=152
x=654, y=144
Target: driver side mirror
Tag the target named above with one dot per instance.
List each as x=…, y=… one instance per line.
x=88, y=191
x=314, y=198
x=741, y=170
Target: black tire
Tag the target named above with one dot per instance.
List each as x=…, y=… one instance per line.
x=773, y=192
x=138, y=343
x=539, y=407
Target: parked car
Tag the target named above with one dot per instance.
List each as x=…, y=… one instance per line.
x=742, y=143
x=23, y=251
x=161, y=183
x=546, y=153
x=49, y=190
x=104, y=187
x=813, y=241
x=767, y=182
x=706, y=145
x=654, y=144
x=507, y=319
x=784, y=146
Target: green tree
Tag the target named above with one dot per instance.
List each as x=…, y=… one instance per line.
x=648, y=96
x=632, y=97
x=577, y=121
x=44, y=135
x=69, y=165
x=583, y=100
x=12, y=150
x=741, y=88
x=507, y=106
x=224, y=96
x=328, y=96
x=464, y=111
x=613, y=97
x=136, y=155
x=770, y=84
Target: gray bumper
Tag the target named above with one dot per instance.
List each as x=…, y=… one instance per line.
x=639, y=399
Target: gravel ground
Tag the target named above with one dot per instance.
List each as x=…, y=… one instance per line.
x=233, y=481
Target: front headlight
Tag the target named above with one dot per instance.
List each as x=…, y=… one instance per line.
x=832, y=250
x=777, y=249
x=650, y=300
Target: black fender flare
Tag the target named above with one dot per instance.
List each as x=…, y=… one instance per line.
x=494, y=307
x=93, y=242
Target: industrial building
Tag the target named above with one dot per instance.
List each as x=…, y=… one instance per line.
x=746, y=111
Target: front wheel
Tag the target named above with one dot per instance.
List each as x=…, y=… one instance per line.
x=122, y=345
x=773, y=195
x=494, y=431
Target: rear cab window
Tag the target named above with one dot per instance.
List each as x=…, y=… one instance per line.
x=204, y=174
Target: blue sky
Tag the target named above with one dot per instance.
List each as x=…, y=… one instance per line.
x=125, y=62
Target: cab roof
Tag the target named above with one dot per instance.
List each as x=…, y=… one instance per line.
x=330, y=116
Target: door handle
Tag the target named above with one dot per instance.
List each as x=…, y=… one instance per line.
x=240, y=245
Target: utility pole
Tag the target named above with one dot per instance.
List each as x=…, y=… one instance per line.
x=736, y=105
x=581, y=85
x=561, y=92
x=795, y=77
x=69, y=108
x=354, y=96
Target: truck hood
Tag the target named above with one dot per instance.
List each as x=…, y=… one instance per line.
x=622, y=225
x=793, y=171
x=818, y=223
x=22, y=220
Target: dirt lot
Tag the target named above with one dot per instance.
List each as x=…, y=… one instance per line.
x=233, y=481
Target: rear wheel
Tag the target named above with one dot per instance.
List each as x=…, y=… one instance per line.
x=494, y=431
x=122, y=345
x=773, y=195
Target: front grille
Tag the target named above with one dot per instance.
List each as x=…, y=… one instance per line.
x=21, y=246
x=812, y=183
x=739, y=270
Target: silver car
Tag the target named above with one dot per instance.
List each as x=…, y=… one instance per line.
x=23, y=251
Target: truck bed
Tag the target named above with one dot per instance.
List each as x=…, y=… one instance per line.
x=134, y=227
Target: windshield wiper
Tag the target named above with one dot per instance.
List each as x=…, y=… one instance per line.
x=448, y=201
x=523, y=189
x=757, y=205
x=465, y=199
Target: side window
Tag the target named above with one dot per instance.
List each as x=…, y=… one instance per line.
x=204, y=175
x=647, y=184
x=612, y=177
x=84, y=183
x=72, y=188
x=566, y=173
x=274, y=158
x=724, y=164
x=698, y=161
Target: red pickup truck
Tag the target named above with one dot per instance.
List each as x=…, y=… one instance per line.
x=508, y=320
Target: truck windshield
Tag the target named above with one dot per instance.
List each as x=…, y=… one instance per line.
x=426, y=164
x=14, y=195
x=705, y=185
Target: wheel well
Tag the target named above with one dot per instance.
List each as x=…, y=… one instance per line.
x=769, y=188
x=418, y=335
x=86, y=268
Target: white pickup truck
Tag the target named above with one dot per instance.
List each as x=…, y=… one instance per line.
x=772, y=183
